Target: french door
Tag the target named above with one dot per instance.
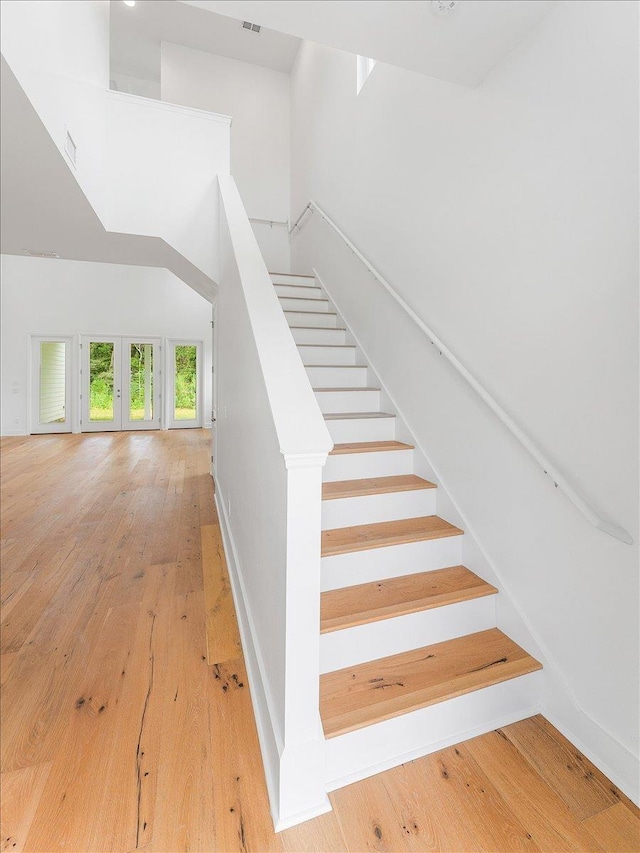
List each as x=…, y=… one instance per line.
x=121, y=381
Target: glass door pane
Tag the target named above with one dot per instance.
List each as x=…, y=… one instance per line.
x=51, y=400
x=141, y=383
x=101, y=384
x=185, y=382
x=52, y=395
x=101, y=376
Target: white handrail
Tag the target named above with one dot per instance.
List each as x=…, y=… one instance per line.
x=558, y=480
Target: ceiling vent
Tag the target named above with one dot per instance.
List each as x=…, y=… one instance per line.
x=443, y=7
x=39, y=253
x=255, y=28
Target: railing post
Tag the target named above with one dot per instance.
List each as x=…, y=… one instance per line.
x=302, y=769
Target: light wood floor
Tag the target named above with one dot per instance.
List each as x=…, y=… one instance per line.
x=124, y=729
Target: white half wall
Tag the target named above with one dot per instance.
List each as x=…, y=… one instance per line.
x=507, y=218
x=163, y=163
x=60, y=297
x=258, y=100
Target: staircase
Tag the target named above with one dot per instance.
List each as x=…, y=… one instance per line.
x=411, y=659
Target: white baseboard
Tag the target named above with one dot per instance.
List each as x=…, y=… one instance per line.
x=12, y=432
x=270, y=742
x=598, y=745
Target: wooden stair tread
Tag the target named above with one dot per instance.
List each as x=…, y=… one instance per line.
x=374, y=486
x=293, y=274
x=293, y=284
x=342, y=416
x=298, y=311
x=379, y=690
x=302, y=298
x=368, y=447
x=370, y=602
x=382, y=534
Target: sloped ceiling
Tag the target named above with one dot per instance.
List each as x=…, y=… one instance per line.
x=461, y=47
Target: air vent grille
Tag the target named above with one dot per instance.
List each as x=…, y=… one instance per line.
x=247, y=25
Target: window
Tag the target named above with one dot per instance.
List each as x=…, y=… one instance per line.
x=364, y=67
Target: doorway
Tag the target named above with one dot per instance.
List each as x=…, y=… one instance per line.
x=51, y=372
x=121, y=383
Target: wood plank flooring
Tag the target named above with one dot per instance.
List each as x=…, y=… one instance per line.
x=118, y=734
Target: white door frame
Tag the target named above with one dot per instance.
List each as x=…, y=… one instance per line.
x=35, y=426
x=170, y=419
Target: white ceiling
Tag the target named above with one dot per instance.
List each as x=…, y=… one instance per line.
x=43, y=207
x=461, y=47
x=136, y=33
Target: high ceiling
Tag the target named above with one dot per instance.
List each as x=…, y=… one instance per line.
x=461, y=46
x=136, y=34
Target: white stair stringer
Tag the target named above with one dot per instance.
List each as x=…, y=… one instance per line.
x=372, y=749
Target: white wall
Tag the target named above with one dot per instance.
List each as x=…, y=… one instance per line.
x=59, y=297
x=258, y=100
x=134, y=85
x=59, y=51
x=506, y=216
x=162, y=165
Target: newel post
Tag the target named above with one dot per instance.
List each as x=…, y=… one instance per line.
x=302, y=791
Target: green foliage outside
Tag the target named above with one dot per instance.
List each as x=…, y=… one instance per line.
x=101, y=390
x=185, y=383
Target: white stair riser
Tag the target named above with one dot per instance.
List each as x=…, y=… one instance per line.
x=353, y=646
x=369, y=509
x=319, y=336
x=297, y=291
x=358, y=466
x=362, y=429
x=293, y=279
x=337, y=377
x=375, y=564
x=348, y=401
x=306, y=318
x=373, y=749
x=290, y=303
x=314, y=354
